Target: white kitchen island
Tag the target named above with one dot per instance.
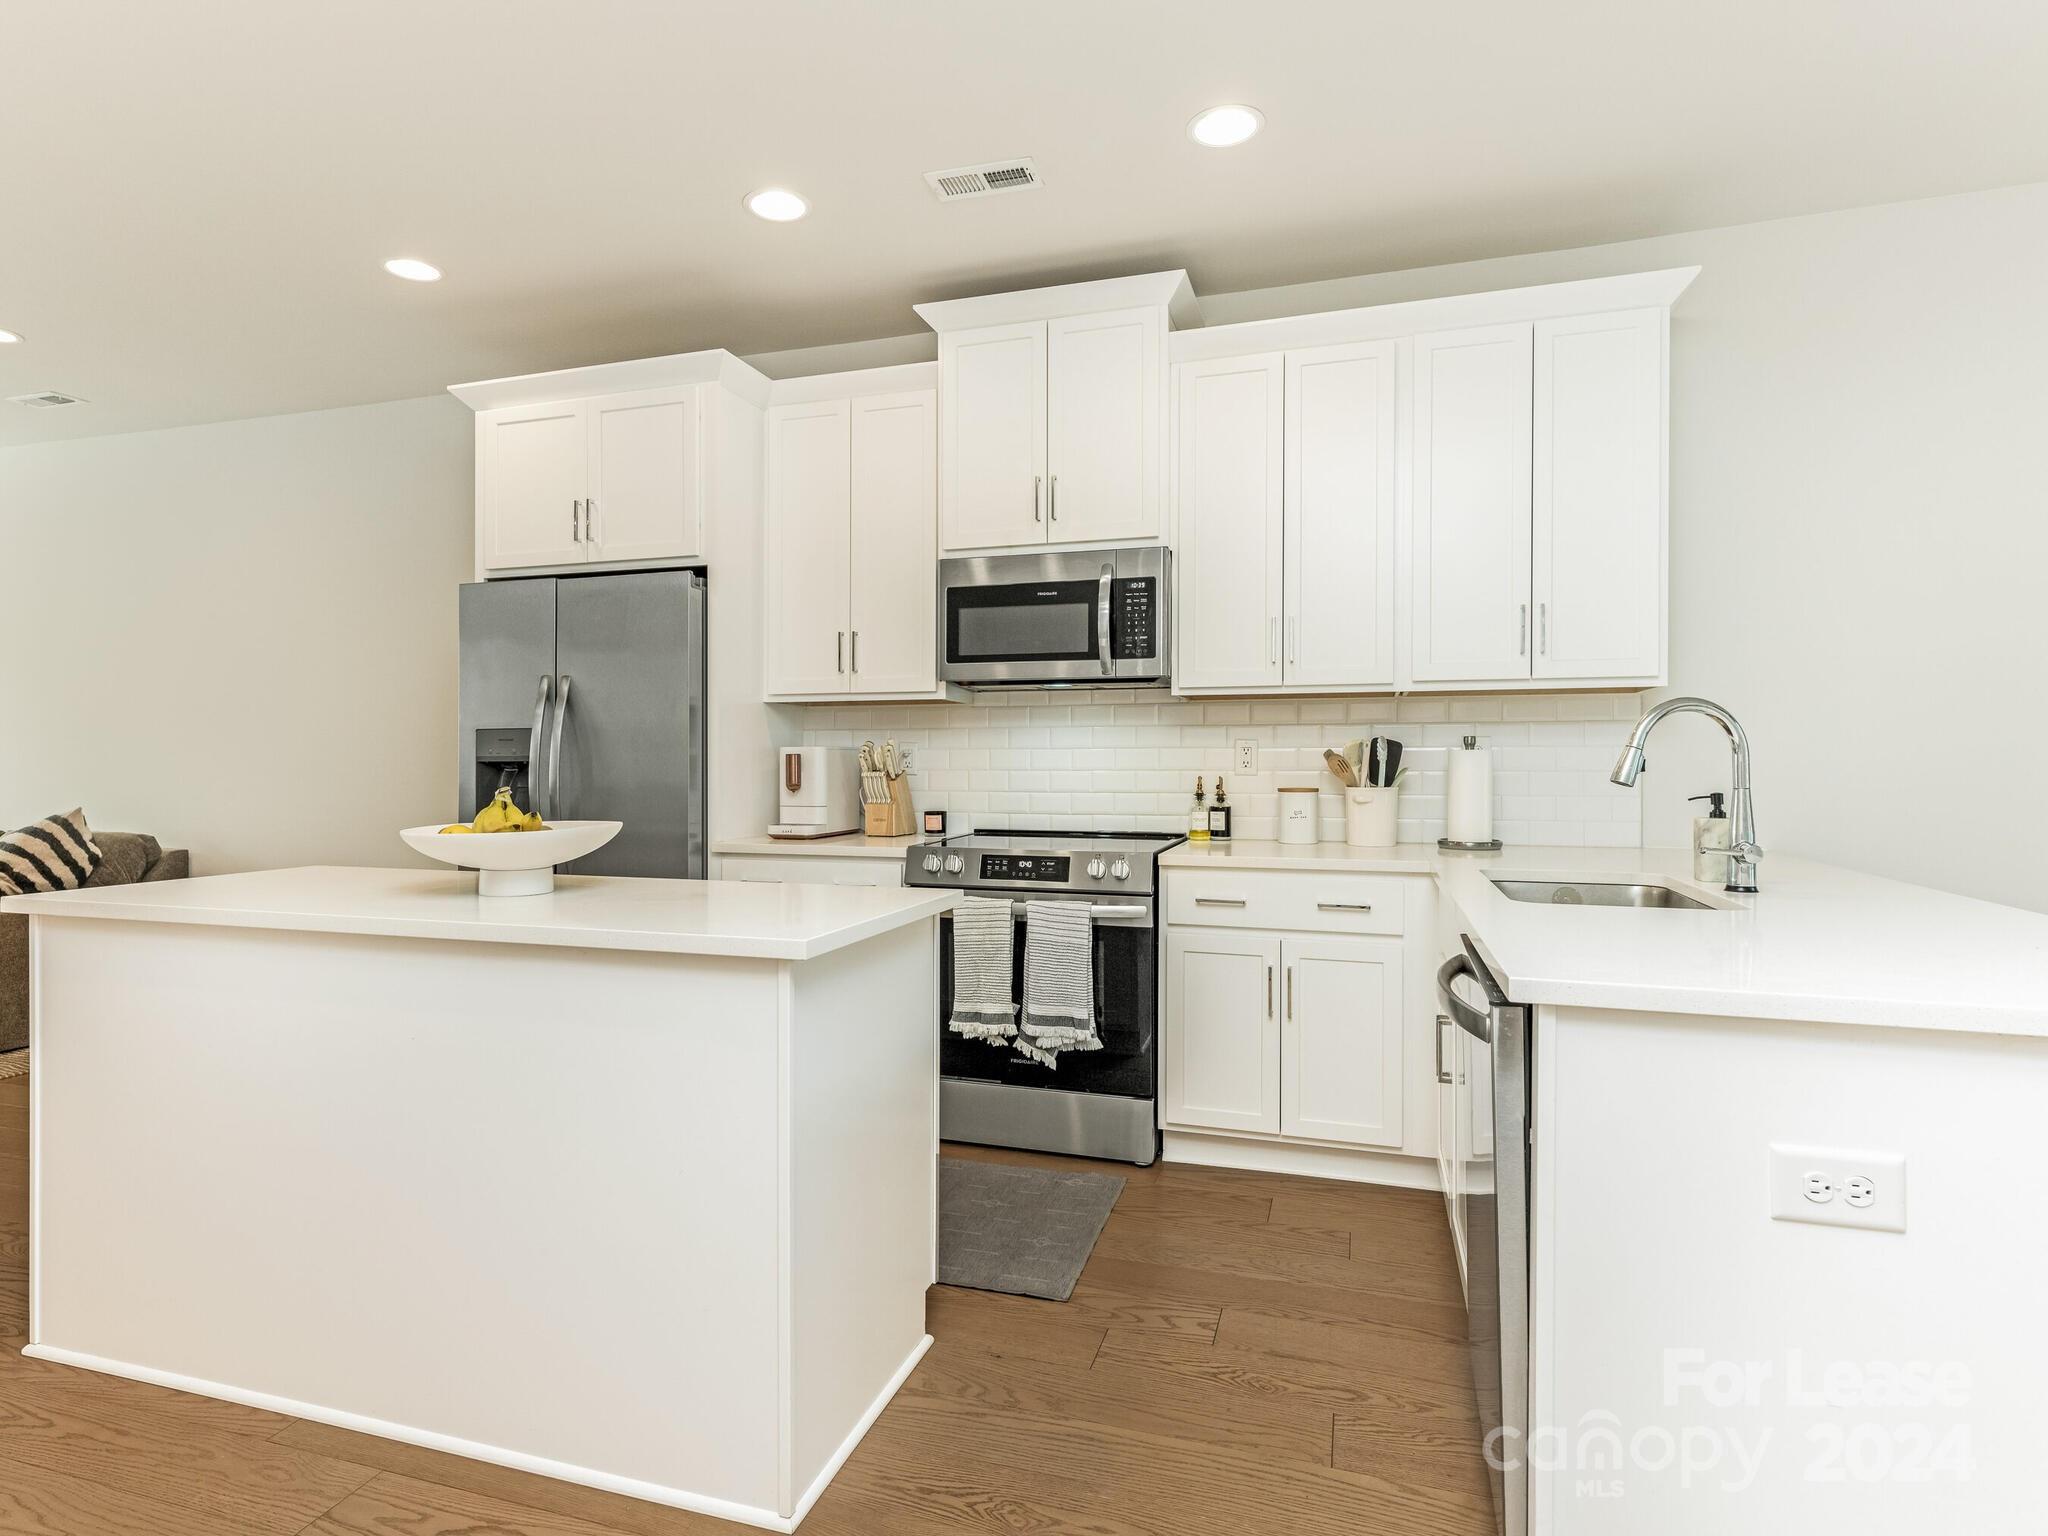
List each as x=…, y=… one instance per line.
x=632, y=1184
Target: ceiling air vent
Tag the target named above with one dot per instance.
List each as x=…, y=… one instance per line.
x=44, y=401
x=1018, y=175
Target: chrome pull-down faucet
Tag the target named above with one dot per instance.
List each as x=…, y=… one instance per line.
x=1743, y=851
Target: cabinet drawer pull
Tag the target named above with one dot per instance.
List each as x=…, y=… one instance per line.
x=576, y=521
x=1269, y=991
x=1219, y=901
x=1343, y=906
x=1290, y=994
x=840, y=664
x=1037, y=490
x=855, y=650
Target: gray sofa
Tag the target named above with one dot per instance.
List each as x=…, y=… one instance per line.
x=125, y=858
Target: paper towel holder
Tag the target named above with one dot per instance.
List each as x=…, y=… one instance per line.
x=1451, y=845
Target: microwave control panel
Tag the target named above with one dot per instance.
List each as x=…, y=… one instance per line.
x=1008, y=867
x=1134, y=618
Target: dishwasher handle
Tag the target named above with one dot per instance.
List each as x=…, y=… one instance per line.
x=1476, y=1022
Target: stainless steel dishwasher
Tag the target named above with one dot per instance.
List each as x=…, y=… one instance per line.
x=1494, y=1195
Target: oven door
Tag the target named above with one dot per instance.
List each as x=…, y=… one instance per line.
x=1124, y=955
x=1073, y=618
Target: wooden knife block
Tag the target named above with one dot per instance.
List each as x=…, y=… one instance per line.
x=893, y=817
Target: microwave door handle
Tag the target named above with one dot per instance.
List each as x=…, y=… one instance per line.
x=1102, y=621
x=533, y=746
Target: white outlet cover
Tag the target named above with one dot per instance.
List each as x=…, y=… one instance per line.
x=1883, y=1172
x=1247, y=755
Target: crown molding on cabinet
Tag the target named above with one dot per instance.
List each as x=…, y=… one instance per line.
x=1170, y=290
x=1386, y=322
x=716, y=366
x=889, y=380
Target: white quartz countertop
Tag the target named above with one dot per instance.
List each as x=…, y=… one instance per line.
x=677, y=917
x=847, y=845
x=1817, y=943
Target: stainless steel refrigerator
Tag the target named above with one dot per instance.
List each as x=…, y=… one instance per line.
x=585, y=694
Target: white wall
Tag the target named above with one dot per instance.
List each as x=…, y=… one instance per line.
x=240, y=637
x=1859, y=499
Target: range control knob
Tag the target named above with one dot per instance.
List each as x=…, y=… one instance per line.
x=1120, y=870
x=954, y=863
x=1096, y=868
x=931, y=863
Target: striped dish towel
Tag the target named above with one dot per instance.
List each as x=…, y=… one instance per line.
x=984, y=1004
x=1059, y=981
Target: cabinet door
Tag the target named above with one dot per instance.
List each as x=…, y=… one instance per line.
x=1105, y=393
x=643, y=476
x=1341, y=413
x=1222, y=1029
x=992, y=459
x=808, y=564
x=1229, y=567
x=1341, y=1040
x=1598, y=495
x=1471, y=491
x=531, y=479
x=895, y=544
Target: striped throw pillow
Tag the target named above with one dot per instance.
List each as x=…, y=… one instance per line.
x=55, y=854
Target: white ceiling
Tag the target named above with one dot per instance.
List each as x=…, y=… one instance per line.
x=196, y=196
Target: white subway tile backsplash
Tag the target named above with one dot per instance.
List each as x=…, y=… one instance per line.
x=1118, y=759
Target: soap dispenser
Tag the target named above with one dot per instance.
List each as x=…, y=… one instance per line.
x=1198, y=816
x=1710, y=842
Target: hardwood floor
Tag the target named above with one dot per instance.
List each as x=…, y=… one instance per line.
x=1245, y=1354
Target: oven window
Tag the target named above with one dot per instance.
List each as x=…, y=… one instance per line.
x=1039, y=621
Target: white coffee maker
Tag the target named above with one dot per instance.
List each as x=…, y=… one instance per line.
x=820, y=788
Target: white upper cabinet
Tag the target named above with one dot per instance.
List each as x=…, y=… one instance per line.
x=809, y=547
x=1228, y=569
x=852, y=533
x=994, y=450
x=1473, y=429
x=893, y=617
x=1342, y=410
x=1053, y=418
x=531, y=474
x=1105, y=400
x=613, y=479
x=1598, y=574
x=644, y=501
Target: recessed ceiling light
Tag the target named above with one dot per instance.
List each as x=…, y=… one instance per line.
x=413, y=271
x=1222, y=127
x=776, y=204
x=7, y=337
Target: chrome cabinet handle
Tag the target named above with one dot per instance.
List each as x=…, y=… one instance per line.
x=1037, y=485
x=1343, y=906
x=1293, y=637
x=1442, y=1076
x=1052, y=499
x=1269, y=991
x=1273, y=640
x=555, y=749
x=1219, y=901
x=533, y=745
x=855, y=649
x=839, y=655
x=1522, y=633
x=576, y=522
x=1102, y=613
x=1290, y=992
x=590, y=519
x=1543, y=628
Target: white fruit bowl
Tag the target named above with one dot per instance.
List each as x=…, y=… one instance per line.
x=513, y=863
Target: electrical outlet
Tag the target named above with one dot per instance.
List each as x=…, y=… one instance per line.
x=1247, y=756
x=1838, y=1189
x=903, y=757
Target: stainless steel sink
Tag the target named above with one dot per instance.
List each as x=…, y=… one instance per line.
x=1558, y=893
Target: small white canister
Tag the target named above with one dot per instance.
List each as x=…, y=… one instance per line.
x=1298, y=815
x=1372, y=817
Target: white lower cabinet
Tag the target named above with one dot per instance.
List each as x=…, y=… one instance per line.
x=1340, y=1040
x=812, y=869
x=1222, y=1029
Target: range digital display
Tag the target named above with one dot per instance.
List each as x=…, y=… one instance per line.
x=1024, y=866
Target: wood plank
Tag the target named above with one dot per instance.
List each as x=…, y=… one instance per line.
x=1134, y=1227
x=14, y=1306
x=254, y=1482
x=1432, y=1404
x=979, y=1321
x=35, y=1501
x=23, y=1379
x=390, y=1505
x=544, y=1495
x=1185, y=1409
x=13, y=1125
x=940, y=1503
x=1398, y=1450
x=14, y=1090
x=1091, y=1306
x=1232, y=1253
x=1345, y=1342
x=14, y=1248
x=1426, y=1314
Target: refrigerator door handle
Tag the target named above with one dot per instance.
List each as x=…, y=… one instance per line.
x=555, y=750
x=534, y=742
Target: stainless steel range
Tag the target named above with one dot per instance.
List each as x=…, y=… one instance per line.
x=1098, y=1103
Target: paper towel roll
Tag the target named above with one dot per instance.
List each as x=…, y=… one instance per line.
x=1468, y=797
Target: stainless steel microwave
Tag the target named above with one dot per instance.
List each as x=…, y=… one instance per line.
x=1096, y=617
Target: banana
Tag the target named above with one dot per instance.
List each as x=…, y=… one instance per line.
x=460, y=826
x=501, y=815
